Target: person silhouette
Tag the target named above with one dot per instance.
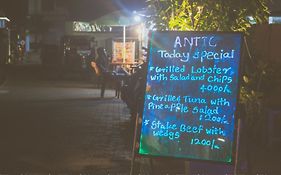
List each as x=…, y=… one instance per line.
x=118, y=76
x=102, y=62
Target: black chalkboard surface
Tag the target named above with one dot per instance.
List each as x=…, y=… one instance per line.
x=191, y=95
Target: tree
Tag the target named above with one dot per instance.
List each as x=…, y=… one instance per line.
x=204, y=15
x=221, y=15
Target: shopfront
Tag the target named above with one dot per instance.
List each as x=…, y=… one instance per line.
x=83, y=38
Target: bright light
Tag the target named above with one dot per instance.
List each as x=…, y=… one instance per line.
x=221, y=139
x=5, y=18
x=139, y=29
x=251, y=19
x=137, y=18
x=274, y=20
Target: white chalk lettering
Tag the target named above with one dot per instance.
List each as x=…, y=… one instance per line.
x=194, y=41
x=182, y=56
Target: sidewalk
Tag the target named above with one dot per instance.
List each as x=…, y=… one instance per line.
x=100, y=130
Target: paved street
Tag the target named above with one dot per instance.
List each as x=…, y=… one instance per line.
x=61, y=126
x=52, y=123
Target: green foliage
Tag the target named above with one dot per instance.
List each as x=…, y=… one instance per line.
x=219, y=15
x=206, y=15
x=251, y=95
x=225, y=15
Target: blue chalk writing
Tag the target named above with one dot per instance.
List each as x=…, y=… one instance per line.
x=205, y=110
x=158, y=77
x=154, y=106
x=188, y=99
x=202, y=56
x=209, y=70
x=187, y=77
x=220, y=102
x=178, y=107
x=182, y=56
x=146, y=122
x=166, y=125
x=166, y=98
x=164, y=129
x=209, y=55
x=219, y=79
x=191, y=129
x=173, y=107
x=166, y=133
x=215, y=131
x=215, y=88
x=170, y=69
x=214, y=118
x=204, y=142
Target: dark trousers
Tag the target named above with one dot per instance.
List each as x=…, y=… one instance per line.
x=116, y=79
x=103, y=82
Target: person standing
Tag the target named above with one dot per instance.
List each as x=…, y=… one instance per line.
x=102, y=62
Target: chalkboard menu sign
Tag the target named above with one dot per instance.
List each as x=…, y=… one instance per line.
x=191, y=94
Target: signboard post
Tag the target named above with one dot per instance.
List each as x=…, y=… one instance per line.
x=191, y=95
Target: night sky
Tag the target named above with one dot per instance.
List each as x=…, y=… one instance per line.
x=16, y=10
x=89, y=9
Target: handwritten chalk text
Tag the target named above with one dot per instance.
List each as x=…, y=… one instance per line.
x=194, y=41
